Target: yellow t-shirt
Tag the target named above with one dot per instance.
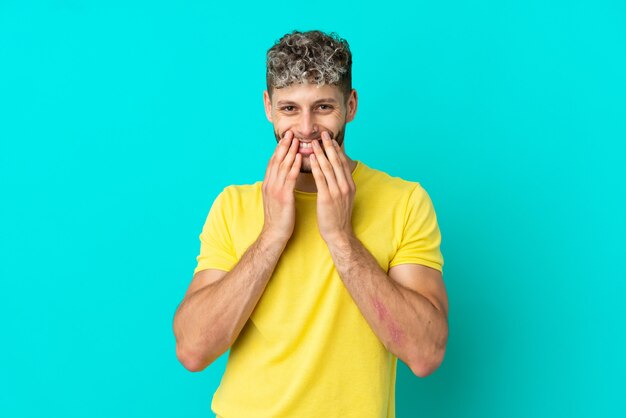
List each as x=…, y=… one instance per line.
x=307, y=351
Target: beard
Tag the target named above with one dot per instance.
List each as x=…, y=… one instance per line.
x=305, y=167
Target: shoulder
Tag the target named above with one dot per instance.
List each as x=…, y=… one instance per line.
x=240, y=194
x=379, y=182
x=234, y=190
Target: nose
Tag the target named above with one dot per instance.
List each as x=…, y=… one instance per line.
x=306, y=126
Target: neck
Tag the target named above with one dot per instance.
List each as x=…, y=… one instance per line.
x=306, y=181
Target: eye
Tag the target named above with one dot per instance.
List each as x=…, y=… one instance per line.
x=287, y=108
x=326, y=107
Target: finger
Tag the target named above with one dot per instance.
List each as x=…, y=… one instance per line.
x=279, y=152
x=287, y=163
x=346, y=165
x=325, y=168
x=318, y=176
x=283, y=146
x=292, y=176
x=335, y=162
x=270, y=163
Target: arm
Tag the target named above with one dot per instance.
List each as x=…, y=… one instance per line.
x=411, y=325
x=406, y=309
x=209, y=319
x=218, y=304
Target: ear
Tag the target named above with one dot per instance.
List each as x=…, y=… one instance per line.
x=267, y=103
x=352, y=105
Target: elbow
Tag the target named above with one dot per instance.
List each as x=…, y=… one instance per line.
x=187, y=352
x=192, y=359
x=422, y=368
x=197, y=358
x=194, y=362
x=428, y=360
x=195, y=352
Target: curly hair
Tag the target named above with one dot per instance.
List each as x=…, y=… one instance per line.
x=310, y=57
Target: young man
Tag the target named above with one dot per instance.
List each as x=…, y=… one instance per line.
x=322, y=275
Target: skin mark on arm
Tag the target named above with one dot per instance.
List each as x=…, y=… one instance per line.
x=383, y=316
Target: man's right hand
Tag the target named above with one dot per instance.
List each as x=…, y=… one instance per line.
x=217, y=306
x=278, y=186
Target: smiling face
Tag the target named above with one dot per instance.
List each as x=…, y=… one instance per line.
x=307, y=110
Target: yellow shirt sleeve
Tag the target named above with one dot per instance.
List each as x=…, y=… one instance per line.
x=216, y=247
x=421, y=238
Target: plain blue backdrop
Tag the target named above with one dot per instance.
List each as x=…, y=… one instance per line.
x=121, y=121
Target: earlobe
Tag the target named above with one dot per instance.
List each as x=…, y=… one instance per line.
x=267, y=104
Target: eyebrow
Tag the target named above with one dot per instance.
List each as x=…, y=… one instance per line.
x=325, y=100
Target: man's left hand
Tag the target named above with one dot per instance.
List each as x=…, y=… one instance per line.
x=335, y=189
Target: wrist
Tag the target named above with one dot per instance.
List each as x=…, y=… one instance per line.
x=343, y=239
x=270, y=239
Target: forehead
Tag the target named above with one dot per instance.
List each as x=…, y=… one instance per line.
x=307, y=93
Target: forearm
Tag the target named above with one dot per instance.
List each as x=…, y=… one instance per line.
x=209, y=320
x=407, y=323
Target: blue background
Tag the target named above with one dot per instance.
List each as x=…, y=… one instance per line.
x=121, y=121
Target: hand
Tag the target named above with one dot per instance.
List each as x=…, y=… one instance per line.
x=335, y=189
x=279, y=205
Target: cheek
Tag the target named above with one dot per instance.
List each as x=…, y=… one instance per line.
x=283, y=123
x=280, y=128
x=335, y=121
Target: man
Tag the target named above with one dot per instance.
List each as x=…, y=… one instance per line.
x=319, y=277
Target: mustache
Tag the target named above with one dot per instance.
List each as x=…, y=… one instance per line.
x=316, y=138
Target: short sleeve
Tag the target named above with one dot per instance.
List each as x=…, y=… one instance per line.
x=216, y=246
x=421, y=238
